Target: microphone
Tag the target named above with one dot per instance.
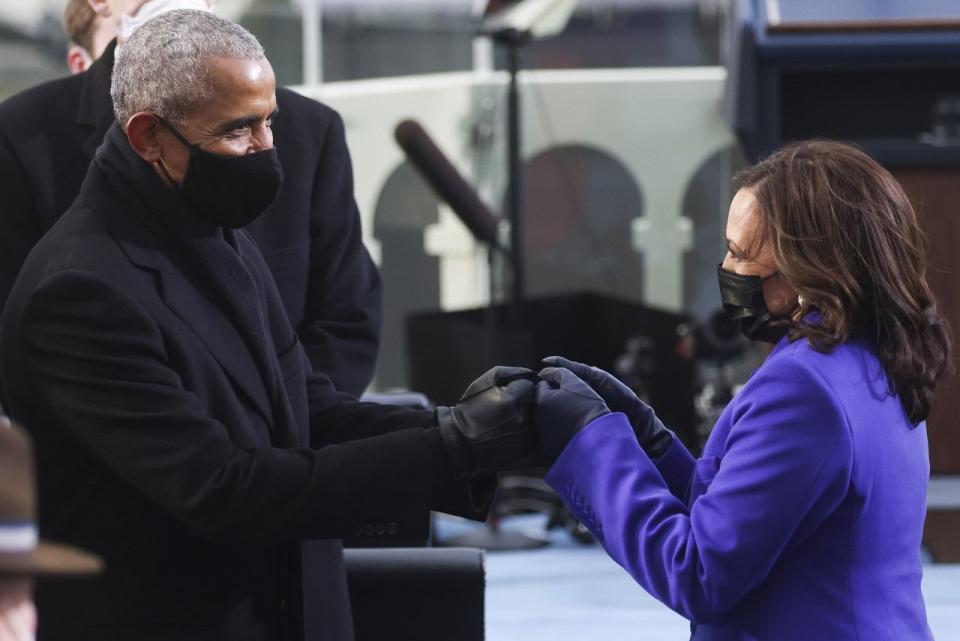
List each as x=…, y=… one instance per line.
x=447, y=182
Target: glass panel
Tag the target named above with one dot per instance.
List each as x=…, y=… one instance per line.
x=786, y=12
x=382, y=38
x=32, y=44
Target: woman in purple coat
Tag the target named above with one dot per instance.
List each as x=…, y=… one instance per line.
x=802, y=519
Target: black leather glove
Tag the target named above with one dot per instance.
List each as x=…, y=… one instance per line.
x=489, y=429
x=653, y=437
x=565, y=405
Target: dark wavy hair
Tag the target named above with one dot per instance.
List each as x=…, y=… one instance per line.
x=845, y=236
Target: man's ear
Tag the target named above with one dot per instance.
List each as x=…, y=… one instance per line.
x=78, y=60
x=142, y=131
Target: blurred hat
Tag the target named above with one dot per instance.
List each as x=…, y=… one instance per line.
x=21, y=551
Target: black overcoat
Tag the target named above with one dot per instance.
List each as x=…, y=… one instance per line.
x=310, y=237
x=181, y=433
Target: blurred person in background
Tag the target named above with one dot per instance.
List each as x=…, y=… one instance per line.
x=22, y=556
x=88, y=34
x=803, y=517
x=310, y=237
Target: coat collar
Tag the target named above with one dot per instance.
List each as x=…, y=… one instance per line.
x=95, y=112
x=134, y=203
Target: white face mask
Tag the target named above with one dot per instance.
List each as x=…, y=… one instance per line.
x=152, y=9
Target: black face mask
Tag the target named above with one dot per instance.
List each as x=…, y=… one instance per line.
x=229, y=191
x=742, y=298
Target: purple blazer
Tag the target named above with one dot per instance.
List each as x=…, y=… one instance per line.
x=802, y=519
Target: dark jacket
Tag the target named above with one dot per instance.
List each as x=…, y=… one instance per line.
x=310, y=237
x=181, y=433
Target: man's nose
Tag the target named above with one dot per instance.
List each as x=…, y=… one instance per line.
x=262, y=139
x=727, y=263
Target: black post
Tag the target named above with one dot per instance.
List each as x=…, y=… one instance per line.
x=515, y=176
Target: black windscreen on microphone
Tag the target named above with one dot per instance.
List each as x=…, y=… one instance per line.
x=446, y=181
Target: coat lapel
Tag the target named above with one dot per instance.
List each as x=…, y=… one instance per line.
x=195, y=307
x=216, y=331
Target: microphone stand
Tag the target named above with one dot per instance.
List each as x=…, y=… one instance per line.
x=517, y=492
x=512, y=41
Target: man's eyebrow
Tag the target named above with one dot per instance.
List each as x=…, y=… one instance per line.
x=244, y=121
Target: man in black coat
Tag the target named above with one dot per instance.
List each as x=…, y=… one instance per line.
x=180, y=431
x=310, y=237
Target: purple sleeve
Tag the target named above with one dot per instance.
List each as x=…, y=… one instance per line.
x=785, y=468
x=676, y=466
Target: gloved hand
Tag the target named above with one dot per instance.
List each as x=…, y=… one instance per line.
x=565, y=405
x=489, y=429
x=653, y=437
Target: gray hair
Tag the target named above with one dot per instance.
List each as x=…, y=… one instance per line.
x=162, y=68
